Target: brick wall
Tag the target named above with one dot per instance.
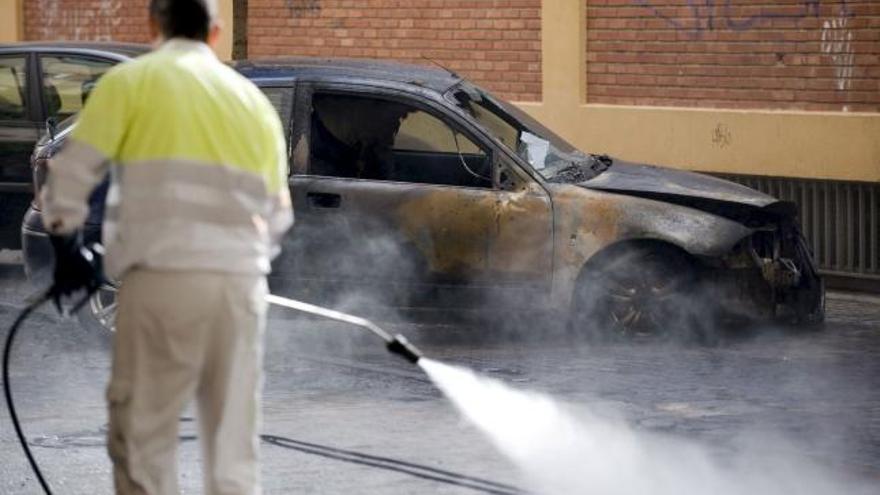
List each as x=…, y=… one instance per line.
x=496, y=43
x=777, y=54
x=87, y=20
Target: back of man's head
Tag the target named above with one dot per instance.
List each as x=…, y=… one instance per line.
x=190, y=19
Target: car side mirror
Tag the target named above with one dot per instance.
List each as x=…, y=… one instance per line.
x=52, y=127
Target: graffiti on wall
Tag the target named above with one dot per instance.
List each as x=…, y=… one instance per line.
x=298, y=7
x=710, y=15
x=721, y=136
x=837, y=43
x=80, y=24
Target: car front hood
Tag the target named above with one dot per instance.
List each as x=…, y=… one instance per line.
x=698, y=191
x=625, y=177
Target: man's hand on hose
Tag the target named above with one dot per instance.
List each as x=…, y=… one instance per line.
x=77, y=268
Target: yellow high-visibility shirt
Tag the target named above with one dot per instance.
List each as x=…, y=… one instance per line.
x=197, y=161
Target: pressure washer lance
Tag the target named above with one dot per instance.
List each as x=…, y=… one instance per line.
x=396, y=344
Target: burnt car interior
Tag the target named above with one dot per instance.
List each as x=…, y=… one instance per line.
x=364, y=137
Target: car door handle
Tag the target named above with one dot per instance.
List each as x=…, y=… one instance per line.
x=324, y=200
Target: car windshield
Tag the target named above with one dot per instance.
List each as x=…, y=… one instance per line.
x=547, y=153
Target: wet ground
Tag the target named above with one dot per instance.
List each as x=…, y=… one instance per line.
x=345, y=417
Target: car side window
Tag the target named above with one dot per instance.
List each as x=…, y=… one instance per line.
x=422, y=132
x=13, y=88
x=68, y=80
x=366, y=137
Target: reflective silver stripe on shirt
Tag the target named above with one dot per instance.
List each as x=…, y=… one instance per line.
x=179, y=213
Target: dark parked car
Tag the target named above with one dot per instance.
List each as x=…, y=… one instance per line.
x=41, y=83
x=416, y=188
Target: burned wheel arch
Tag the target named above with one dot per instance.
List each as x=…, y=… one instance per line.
x=592, y=221
x=754, y=256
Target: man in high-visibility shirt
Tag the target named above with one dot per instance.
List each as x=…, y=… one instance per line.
x=197, y=205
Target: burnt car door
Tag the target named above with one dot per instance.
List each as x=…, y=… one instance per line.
x=396, y=199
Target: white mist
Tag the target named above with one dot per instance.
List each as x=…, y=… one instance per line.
x=564, y=454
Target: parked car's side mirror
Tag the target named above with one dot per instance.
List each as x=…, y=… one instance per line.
x=52, y=127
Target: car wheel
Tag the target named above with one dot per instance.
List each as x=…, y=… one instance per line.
x=99, y=315
x=639, y=292
x=811, y=305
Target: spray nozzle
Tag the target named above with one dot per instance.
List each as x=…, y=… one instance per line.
x=402, y=347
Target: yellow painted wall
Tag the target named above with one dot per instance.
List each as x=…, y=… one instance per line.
x=827, y=145
x=224, y=47
x=10, y=21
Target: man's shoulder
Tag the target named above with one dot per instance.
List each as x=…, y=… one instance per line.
x=130, y=68
x=246, y=87
x=151, y=64
x=118, y=77
x=140, y=62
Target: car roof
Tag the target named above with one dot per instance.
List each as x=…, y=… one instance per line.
x=125, y=49
x=435, y=78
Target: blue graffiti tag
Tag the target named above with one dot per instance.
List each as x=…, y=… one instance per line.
x=709, y=15
x=810, y=9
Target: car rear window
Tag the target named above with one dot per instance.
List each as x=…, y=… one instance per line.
x=68, y=80
x=13, y=88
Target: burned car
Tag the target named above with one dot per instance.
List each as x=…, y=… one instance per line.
x=415, y=188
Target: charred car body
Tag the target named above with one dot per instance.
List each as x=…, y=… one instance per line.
x=413, y=185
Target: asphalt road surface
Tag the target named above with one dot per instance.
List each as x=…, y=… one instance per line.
x=345, y=417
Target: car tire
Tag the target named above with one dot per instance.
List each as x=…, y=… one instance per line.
x=641, y=291
x=811, y=305
x=98, y=316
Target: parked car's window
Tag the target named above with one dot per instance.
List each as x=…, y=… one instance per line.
x=421, y=131
x=282, y=100
x=13, y=88
x=374, y=138
x=68, y=80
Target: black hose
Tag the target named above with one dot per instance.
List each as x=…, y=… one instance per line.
x=7, y=389
x=417, y=470
x=403, y=467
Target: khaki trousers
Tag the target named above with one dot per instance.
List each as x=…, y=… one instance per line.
x=182, y=335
